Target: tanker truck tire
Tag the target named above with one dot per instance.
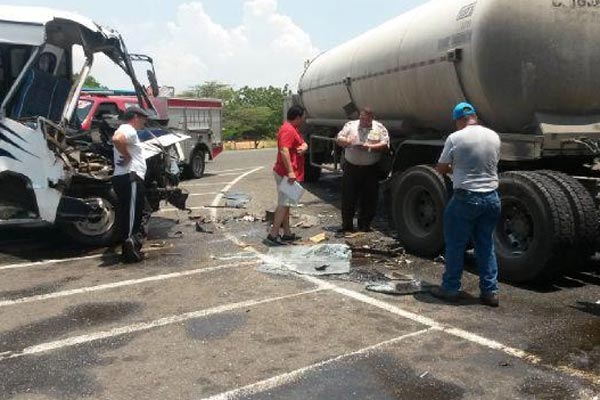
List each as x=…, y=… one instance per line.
x=535, y=230
x=97, y=233
x=419, y=197
x=585, y=216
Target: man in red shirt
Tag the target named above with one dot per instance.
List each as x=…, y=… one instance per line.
x=291, y=148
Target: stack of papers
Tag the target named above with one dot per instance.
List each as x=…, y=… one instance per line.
x=294, y=191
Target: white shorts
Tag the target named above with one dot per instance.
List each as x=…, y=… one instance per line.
x=282, y=199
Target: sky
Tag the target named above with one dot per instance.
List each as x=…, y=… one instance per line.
x=238, y=42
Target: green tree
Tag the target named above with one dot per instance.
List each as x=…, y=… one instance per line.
x=210, y=89
x=249, y=113
x=265, y=102
x=249, y=123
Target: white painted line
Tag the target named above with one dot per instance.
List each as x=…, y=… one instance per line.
x=231, y=170
x=129, y=282
x=218, y=197
x=230, y=173
x=45, y=263
x=186, y=185
x=471, y=337
x=202, y=194
x=143, y=326
x=292, y=376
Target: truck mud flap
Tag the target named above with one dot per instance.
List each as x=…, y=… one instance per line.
x=72, y=209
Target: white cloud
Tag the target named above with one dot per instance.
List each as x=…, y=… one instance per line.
x=267, y=48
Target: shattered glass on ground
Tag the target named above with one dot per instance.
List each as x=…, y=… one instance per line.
x=319, y=260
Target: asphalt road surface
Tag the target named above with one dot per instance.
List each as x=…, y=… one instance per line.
x=199, y=319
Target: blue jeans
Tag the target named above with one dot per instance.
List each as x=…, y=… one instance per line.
x=471, y=216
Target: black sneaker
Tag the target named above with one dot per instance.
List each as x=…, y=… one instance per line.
x=130, y=252
x=272, y=241
x=444, y=295
x=490, y=299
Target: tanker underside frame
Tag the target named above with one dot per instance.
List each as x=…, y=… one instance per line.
x=549, y=187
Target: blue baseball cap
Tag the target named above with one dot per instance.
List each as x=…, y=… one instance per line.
x=462, y=110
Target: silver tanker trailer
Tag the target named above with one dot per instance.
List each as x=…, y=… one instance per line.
x=530, y=69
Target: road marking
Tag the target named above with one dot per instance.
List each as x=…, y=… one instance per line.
x=231, y=170
x=186, y=185
x=292, y=376
x=202, y=194
x=66, y=260
x=129, y=282
x=143, y=326
x=219, y=196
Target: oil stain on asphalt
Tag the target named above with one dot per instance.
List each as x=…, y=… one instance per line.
x=61, y=374
x=73, y=318
x=378, y=376
x=215, y=327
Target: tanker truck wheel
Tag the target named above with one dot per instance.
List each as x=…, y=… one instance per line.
x=99, y=232
x=585, y=216
x=535, y=229
x=419, y=197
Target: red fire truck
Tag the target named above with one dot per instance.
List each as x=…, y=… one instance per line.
x=199, y=118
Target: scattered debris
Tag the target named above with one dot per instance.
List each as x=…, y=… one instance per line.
x=401, y=287
x=249, y=218
x=320, y=238
x=176, y=235
x=159, y=245
x=236, y=199
x=307, y=221
x=440, y=259
x=397, y=276
x=424, y=374
x=504, y=364
x=201, y=228
x=324, y=259
x=365, y=249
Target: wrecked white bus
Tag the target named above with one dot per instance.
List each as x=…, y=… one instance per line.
x=51, y=172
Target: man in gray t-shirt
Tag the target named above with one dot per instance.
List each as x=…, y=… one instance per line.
x=471, y=155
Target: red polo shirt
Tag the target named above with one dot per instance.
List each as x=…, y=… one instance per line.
x=289, y=137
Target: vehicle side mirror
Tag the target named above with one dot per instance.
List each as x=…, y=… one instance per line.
x=153, y=82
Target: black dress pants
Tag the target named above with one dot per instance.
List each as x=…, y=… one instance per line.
x=133, y=210
x=360, y=188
